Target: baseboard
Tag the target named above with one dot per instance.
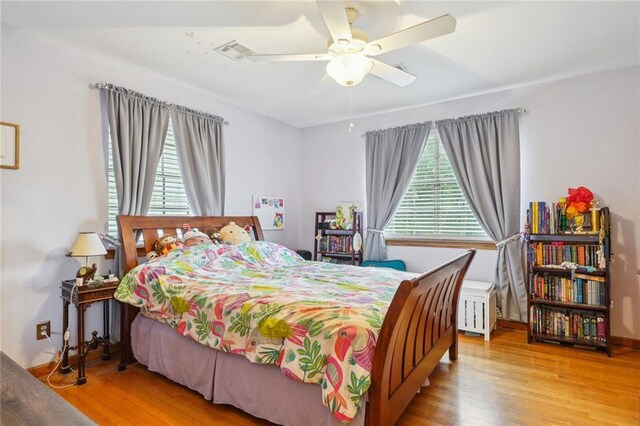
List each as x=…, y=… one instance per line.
x=44, y=369
x=513, y=325
x=625, y=341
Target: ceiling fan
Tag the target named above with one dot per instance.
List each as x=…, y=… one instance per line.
x=350, y=51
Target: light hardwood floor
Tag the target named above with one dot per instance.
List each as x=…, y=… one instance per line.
x=502, y=382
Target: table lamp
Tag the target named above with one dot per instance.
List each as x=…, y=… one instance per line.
x=87, y=244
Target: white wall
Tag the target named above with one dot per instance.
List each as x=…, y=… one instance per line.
x=60, y=188
x=579, y=131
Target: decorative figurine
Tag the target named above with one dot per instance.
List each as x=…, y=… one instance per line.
x=87, y=273
x=595, y=216
x=343, y=215
x=562, y=226
x=602, y=262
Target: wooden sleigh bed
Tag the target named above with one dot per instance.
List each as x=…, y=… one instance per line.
x=418, y=329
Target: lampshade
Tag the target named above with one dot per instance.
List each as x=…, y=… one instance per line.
x=87, y=244
x=349, y=70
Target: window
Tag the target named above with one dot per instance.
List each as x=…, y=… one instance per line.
x=168, y=196
x=434, y=206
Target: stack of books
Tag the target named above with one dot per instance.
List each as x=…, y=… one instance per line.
x=543, y=217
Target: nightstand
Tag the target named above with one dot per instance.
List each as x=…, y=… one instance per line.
x=83, y=297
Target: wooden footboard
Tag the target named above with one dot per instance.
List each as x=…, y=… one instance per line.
x=417, y=331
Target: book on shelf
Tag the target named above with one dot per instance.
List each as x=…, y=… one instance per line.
x=542, y=217
x=582, y=289
x=601, y=332
x=557, y=252
x=547, y=321
x=336, y=244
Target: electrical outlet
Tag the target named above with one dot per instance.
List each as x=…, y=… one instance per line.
x=43, y=329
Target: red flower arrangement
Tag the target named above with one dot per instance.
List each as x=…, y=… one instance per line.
x=578, y=201
x=574, y=206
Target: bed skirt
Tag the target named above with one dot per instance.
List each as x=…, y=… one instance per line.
x=258, y=389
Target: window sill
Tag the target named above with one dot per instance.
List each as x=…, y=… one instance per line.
x=443, y=243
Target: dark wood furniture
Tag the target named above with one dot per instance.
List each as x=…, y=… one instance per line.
x=337, y=244
x=82, y=298
x=548, y=311
x=418, y=329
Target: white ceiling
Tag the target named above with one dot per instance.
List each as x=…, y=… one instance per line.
x=496, y=45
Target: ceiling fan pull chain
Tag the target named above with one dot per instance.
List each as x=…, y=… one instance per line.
x=351, y=126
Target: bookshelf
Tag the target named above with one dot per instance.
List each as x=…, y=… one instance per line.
x=337, y=245
x=569, y=283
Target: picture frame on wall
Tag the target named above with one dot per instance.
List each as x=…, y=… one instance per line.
x=9, y=145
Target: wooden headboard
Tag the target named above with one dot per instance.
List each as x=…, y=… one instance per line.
x=152, y=227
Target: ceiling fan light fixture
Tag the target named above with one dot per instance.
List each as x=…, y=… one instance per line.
x=349, y=70
x=373, y=49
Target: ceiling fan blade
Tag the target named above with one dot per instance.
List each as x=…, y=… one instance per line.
x=391, y=74
x=284, y=58
x=335, y=18
x=437, y=27
x=322, y=85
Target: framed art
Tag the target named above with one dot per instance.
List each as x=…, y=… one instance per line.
x=9, y=145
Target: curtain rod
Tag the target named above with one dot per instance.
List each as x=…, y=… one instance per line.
x=100, y=85
x=519, y=110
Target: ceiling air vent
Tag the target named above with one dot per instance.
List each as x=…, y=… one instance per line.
x=234, y=50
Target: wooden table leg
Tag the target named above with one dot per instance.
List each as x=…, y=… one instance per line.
x=82, y=379
x=106, y=353
x=66, y=368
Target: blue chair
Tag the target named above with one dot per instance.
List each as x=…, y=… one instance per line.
x=393, y=264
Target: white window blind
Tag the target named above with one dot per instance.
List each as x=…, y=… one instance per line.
x=168, y=196
x=434, y=205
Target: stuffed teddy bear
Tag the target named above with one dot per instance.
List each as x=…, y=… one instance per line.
x=163, y=246
x=191, y=237
x=215, y=236
x=151, y=255
x=235, y=234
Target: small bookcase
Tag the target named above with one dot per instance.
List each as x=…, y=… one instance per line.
x=336, y=245
x=569, y=286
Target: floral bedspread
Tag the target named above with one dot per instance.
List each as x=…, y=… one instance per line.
x=317, y=321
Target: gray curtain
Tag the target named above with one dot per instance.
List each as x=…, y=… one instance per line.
x=138, y=127
x=484, y=152
x=199, y=145
x=391, y=159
